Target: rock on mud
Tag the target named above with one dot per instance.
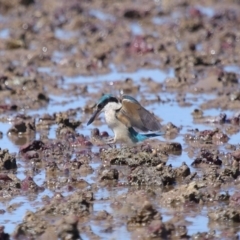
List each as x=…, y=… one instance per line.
x=77, y=206
x=7, y=160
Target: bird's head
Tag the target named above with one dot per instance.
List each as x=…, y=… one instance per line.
x=103, y=101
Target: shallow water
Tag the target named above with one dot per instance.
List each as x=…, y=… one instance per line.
x=169, y=112
x=4, y=33
x=168, y=109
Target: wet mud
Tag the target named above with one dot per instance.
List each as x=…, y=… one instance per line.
x=59, y=179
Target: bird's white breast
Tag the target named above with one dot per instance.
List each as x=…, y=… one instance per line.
x=120, y=130
x=110, y=114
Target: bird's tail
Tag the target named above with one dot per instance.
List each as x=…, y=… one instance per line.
x=157, y=134
x=138, y=137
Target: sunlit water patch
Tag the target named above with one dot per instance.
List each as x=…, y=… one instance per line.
x=4, y=33
x=15, y=217
x=235, y=139
x=64, y=34
x=156, y=74
x=12, y=218
x=198, y=223
x=101, y=15
x=136, y=28
x=209, y=11
x=5, y=141
x=232, y=68
x=160, y=20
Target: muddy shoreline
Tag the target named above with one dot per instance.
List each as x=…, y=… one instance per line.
x=180, y=59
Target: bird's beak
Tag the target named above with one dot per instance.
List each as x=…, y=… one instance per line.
x=95, y=114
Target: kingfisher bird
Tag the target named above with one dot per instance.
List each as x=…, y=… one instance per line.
x=125, y=115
